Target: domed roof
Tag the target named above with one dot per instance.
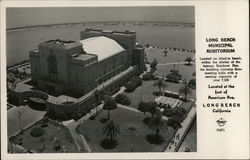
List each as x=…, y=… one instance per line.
x=101, y=46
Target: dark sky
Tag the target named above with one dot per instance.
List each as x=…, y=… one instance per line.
x=18, y=17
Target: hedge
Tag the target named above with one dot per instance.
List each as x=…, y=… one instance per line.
x=122, y=99
x=173, y=123
x=133, y=83
x=37, y=132
x=148, y=76
x=192, y=83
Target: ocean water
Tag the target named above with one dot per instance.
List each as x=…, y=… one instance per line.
x=19, y=17
x=19, y=43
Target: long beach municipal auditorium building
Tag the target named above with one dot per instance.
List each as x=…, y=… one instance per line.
x=99, y=60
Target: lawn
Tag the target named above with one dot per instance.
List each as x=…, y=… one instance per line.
x=174, y=87
x=128, y=141
x=187, y=105
x=28, y=117
x=162, y=70
x=172, y=56
x=185, y=70
x=143, y=92
x=54, y=134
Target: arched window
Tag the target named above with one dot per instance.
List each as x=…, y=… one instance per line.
x=52, y=64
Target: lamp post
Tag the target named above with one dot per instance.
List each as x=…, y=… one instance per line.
x=20, y=122
x=11, y=146
x=141, y=94
x=78, y=106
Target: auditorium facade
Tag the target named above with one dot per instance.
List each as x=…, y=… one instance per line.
x=79, y=66
x=101, y=61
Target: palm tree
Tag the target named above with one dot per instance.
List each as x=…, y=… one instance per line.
x=160, y=84
x=153, y=109
x=109, y=104
x=156, y=123
x=185, y=90
x=96, y=98
x=111, y=130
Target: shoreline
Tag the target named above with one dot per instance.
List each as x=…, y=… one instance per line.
x=108, y=23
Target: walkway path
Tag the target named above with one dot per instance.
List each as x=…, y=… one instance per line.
x=179, y=136
x=165, y=64
x=136, y=110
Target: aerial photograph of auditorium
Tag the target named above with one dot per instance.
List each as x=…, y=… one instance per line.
x=100, y=79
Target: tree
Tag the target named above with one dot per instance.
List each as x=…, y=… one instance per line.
x=173, y=123
x=153, y=109
x=96, y=96
x=160, y=84
x=111, y=130
x=194, y=74
x=57, y=144
x=192, y=83
x=185, y=90
x=42, y=140
x=122, y=99
x=144, y=107
x=105, y=95
x=189, y=60
x=156, y=123
x=173, y=76
x=133, y=83
x=165, y=53
x=109, y=104
x=153, y=65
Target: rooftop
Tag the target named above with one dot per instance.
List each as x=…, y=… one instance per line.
x=167, y=100
x=61, y=43
x=84, y=57
x=101, y=46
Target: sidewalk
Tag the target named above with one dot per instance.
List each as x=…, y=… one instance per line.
x=177, y=139
x=136, y=110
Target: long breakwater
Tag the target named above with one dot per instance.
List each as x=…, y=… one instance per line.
x=161, y=23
